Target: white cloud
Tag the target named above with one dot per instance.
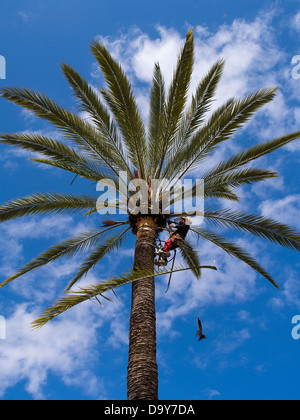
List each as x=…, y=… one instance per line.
x=25, y=16
x=45, y=227
x=138, y=52
x=211, y=393
x=285, y=210
x=296, y=22
x=290, y=293
x=65, y=348
x=227, y=343
x=249, y=48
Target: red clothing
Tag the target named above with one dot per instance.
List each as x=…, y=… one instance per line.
x=182, y=230
x=168, y=245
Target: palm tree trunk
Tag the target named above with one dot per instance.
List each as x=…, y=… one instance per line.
x=142, y=380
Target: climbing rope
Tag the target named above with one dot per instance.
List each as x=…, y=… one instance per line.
x=169, y=282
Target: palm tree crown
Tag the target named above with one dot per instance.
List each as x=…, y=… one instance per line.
x=179, y=137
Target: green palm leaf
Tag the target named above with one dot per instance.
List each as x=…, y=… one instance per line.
x=191, y=259
x=45, y=203
x=67, y=166
x=248, y=155
x=74, y=128
x=91, y=103
x=67, y=248
x=114, y=242
x=222, y=192
x=209, y=191
x=113, y=138
x=156, y=117
x=83, y=294
x=121, y=101
x=201, y=102
x=241, y=177
x=176, y=100
x=258, y=226
x=221, y=126
x=57, y=151
x=234, y=250
x=186, y=157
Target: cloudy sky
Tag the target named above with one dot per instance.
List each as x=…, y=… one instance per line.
x=250, y=352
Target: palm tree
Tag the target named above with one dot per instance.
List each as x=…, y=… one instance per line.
x=179, y=137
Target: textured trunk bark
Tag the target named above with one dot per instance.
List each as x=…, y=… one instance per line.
x=142, y=380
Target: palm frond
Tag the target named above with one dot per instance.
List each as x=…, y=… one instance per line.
x=241, y=177
x=67, y=166
x=91, y=103
x=207, y=192
x=45, y=203
x=176, y=100
x=258, y=226
x=222, y=125
x=185, y=159
x=201, y=102
x=83, y=294
x=204, y=96
x=67, y=248
x=191, y=259
x=112, y=243
x=234, y=250
x=56, y=150
x=77, y=130
x=250, y=154
x=156, y=117
x=222, y=192
x=122, y=103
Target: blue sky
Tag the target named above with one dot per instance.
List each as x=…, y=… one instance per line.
x=249, y=353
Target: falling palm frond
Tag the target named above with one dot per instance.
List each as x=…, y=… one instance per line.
x=82, y=294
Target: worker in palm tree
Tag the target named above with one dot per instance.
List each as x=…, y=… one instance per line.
x=178, y=235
